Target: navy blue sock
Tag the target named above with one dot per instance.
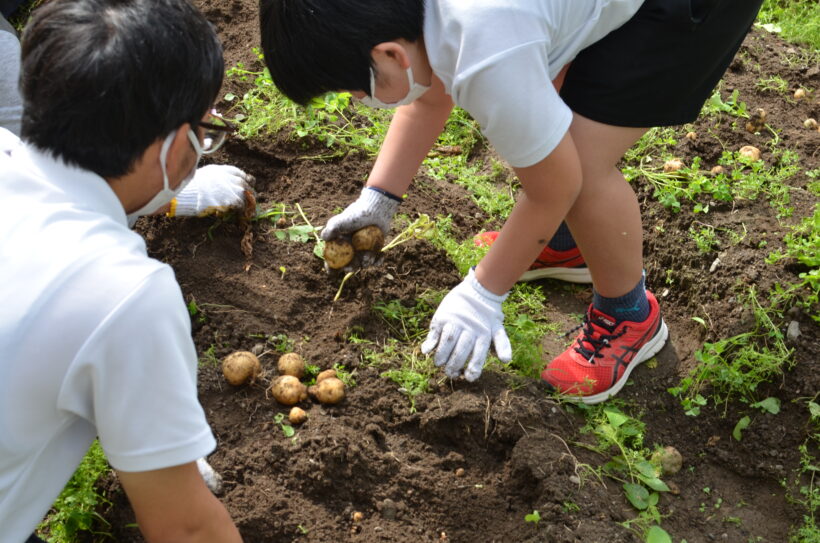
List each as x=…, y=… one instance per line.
x=562, y=240
x=632, y=306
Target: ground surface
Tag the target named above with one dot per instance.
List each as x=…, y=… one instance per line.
x=517, y=447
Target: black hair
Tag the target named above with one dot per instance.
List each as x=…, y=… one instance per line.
x=102, y=80
x=315, y=46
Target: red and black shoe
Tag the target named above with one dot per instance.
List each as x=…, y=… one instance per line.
x=599, y=362
x=563, y=265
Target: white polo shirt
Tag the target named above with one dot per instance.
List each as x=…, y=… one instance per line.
x=95, y=339
x=497, y=59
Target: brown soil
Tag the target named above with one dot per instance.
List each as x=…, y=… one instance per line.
x=517, y=447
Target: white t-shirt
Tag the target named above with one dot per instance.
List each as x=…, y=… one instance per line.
x=497, y=59
x=95, y=339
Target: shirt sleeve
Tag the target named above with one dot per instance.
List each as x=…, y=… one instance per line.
x=513, y=100
x=135, y=380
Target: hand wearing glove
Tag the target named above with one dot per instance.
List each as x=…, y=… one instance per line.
x=374, y=206
x=214, y=189
x=465, y=323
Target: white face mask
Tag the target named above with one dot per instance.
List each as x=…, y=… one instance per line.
x=416, y=90
x=167, y=194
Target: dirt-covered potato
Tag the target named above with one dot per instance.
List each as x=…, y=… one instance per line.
x=799, y=94
x=672, y=165
x=291, y=364
x=369, y=238
x=810, y=123
x=288, y=390
x=330, y=390
x=717, y=170
x=757, y=121
x=750, y=151
x=297, y=415
x=669, y=459
x=338, y=253
x=241, y=367
x=325, y=374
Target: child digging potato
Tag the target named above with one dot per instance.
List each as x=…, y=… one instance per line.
x=626, y=66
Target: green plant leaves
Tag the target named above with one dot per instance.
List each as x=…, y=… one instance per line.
x=656, y=534
x=741, y=425
x=770, y=405
x=639, y=496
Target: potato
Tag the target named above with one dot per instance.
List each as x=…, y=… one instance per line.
x=338, y=253
x=716, y=170
x=330, y=390
x=691, y=136
x=799, y=94
x=757, y=121
x=810, y=123
x=669, y=459
x=241, y=367
x=672, y=165
x=750, y=151
x=369, y=238
x=297, y=415
x=325, y=374
x=288, y=390
x=291, y=364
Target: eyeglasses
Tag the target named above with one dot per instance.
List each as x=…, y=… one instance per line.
x=216, y=131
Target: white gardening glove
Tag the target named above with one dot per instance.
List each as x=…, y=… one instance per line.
x=465, y=323
x=212, y=479
x=373, y=207
x=215, y=188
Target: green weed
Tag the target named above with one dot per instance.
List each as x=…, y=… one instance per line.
x=620, y=438
x=733, y=368
x=798, y=21
x=75, y=511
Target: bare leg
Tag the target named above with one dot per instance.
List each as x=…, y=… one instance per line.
x=605, y=219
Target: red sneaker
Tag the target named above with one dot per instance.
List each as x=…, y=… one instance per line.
x=563, y=265
x=599, y=362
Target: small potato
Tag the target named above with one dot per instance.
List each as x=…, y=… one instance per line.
x=330, y=390
x=672, y=165
x=291, y=364
x=297, y=415
x=369, y=238
x=717, y=170
x=241, y=367
x=691, y=136
x=288, y=390
x=810, y=123
x=750, y=151
x=325, y=374
x=799, y=94
x=669, y=459
x=338, y=253
x=757, y=121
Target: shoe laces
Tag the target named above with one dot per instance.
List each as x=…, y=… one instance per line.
x=594, y=338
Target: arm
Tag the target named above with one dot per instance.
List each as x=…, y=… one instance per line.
x=550, y=188
x=412, y=133
x=174, y=505
x=470, y=317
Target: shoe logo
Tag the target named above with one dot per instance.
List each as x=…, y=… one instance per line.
x=627, y=309
x=606, y=320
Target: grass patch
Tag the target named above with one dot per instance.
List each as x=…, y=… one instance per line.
x=75, y=511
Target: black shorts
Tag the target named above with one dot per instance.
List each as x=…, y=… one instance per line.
x=660, y=66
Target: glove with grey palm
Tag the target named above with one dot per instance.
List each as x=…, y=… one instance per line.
x=374, y=207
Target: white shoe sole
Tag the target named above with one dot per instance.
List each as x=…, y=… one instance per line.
x=570, y=275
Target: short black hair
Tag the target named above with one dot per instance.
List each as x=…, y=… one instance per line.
x=315, y=46
x=102, y=80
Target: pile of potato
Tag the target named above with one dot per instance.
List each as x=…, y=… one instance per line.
x=243, y=367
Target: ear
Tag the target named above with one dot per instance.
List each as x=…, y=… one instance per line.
x=391, y=51
x=179, y=159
